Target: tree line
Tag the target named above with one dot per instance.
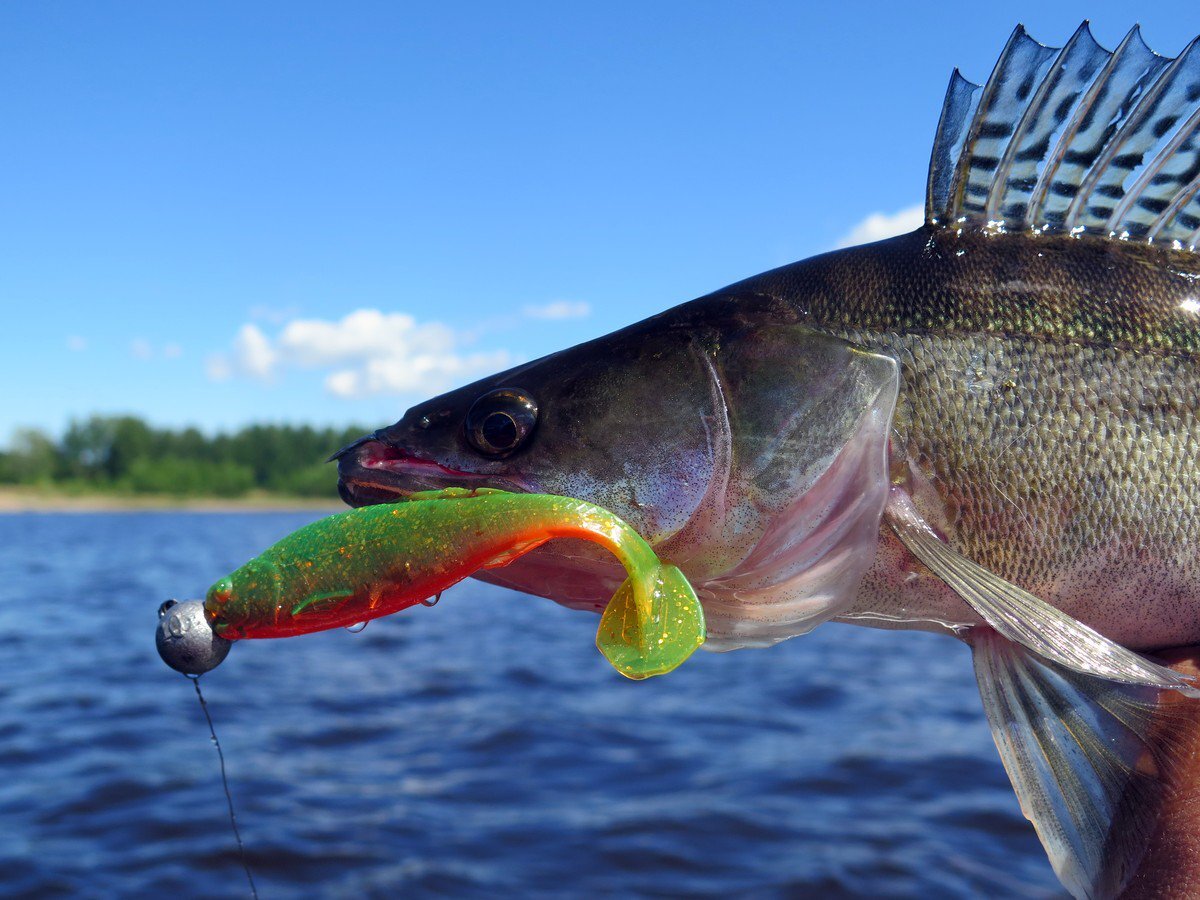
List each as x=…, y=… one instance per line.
x=126, y=454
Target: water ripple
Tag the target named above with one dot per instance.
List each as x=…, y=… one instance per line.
x=480, y=749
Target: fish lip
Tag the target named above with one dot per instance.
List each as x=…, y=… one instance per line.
x=371, y=470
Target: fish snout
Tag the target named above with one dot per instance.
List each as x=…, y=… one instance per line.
x=352, y=446
x=354, y=476
x=392, y=463
x=364, y=473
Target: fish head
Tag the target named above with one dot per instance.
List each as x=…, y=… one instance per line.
x=620, y=422
x=745, y=447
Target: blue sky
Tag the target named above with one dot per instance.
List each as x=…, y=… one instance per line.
x=224, y=212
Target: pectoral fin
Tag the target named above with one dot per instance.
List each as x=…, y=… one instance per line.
x=1020, y=616
x=1092, y=761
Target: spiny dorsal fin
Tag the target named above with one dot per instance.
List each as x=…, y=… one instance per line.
x=1077, y=140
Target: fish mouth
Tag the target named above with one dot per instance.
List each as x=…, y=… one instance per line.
x=371, y=470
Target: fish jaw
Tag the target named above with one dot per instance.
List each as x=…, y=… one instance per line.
x=572, y=573
x=375, y=470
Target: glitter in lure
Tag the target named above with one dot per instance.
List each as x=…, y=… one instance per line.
x=347, y=569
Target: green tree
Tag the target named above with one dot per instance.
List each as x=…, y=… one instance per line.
x=85, y=447
x=315, y=480
x=32, y=458
x=131, y=440
x=189, y=477
x=127, y=453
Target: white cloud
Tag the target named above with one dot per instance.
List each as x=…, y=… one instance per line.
x=252, y=353
x=76, y=344
x=368, y=351
x=878, y=226
x=417, y=373
x=559, y=309
x=172, y=351
x=363, y=333
x=140, y=348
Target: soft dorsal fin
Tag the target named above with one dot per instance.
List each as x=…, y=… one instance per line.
x=1074, y=140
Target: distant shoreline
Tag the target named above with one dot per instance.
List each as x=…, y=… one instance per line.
x=26, y=500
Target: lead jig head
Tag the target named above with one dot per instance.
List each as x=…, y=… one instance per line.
x=186, y=641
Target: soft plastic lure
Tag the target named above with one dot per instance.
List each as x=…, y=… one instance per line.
x=376, y=560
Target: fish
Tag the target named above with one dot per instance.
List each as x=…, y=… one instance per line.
x=346, y=569
x=986, y=428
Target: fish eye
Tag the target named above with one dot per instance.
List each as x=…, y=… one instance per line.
x=500, y=421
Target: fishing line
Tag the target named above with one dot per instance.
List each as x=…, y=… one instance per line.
x=195, y=680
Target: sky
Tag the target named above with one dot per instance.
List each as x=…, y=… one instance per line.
x=223, y=213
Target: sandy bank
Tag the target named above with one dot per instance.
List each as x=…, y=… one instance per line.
x=20, y=500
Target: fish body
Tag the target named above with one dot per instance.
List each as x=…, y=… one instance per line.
x=1046, y=422
x=987, y=427
x=359, y=565
x=1045, y=408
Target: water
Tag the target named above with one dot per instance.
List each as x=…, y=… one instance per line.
x=478, y=749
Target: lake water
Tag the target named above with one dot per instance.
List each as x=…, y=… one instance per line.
x=482, y=748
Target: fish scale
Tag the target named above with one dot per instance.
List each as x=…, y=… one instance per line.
x=1105, y=388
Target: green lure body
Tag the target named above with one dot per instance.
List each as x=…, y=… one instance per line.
x=376, y=560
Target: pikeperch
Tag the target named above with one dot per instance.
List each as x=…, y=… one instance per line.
x=988, y=428
x=366, y=563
